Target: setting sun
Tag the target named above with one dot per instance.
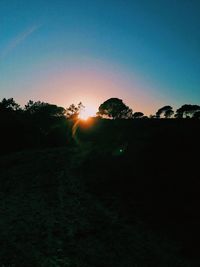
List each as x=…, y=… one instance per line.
x=86, y=113
x=84, y=117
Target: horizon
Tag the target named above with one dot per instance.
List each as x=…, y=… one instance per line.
x=84, y=112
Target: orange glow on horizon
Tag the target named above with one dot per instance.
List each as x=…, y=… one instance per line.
x=83, y=117
x=87, y=113
x=92, y=83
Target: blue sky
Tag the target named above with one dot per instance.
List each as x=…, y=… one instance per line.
x=145, y=52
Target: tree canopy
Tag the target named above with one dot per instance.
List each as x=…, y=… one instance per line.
x=196, y=115
x=114, y=108
x=9, y=105
x=73, y=111
x=44, y=109
x=138, y=115
x=166, y=111
x=187, y=110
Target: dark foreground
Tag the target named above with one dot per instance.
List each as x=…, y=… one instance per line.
x=124, y=194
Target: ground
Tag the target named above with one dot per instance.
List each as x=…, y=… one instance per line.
x=67, y=207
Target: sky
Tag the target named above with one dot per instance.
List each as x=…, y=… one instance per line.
x=145, y=52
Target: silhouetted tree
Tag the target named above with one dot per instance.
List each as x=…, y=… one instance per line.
x=114, y=108
x=166, y=111
x=44, y=109
x=138, y=115
x=9, y=105
x=152, y=116
x=187, y=110
x=73, y=111
x=196, y=115
x=45, y=120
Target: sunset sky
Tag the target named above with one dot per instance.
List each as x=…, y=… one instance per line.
x=146, y=52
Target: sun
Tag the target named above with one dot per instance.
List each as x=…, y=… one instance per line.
x=85, y=114
x=84, y=117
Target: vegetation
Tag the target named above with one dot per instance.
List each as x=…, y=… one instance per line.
x=138, y=115
x=187, y=111
x=122, y=191
x=167, y=111
x=73, y=111
x=114, y=108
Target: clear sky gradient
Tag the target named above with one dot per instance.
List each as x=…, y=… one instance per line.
x=146, y=52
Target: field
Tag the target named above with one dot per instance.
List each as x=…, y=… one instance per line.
x=123, y=193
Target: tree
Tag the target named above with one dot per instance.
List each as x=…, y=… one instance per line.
x=114, y=108
x=196, y=115
x=187, y=110
x=9, y=105
x=44, y=109
x=73, y=111
x=138, y=115
x=166, y=111
x=152, y=116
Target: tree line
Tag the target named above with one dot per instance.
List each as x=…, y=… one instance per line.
x=39, y=124
x=113, y=108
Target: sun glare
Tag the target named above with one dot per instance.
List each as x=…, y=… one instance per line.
x=86, y=113
x=84, y=117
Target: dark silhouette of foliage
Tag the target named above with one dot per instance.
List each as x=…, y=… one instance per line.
x=38, y=124
x=187, y=111
x=42, y=124
x=44, y=109
x=166, y=111
x=196, y=115
x=138, y=115
x=9, y=105
x=152, y=116
x=114, y=108
x=73, y=111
